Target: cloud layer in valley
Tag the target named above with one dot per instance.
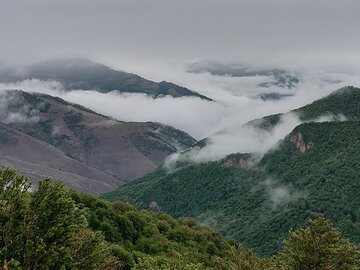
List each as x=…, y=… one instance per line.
x=195, y=116
x=237, y=139
x=222, y=119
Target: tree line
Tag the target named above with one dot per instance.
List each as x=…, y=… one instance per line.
x=56, y=228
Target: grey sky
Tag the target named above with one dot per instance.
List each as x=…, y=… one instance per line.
x=319, y=39
x=154, y=31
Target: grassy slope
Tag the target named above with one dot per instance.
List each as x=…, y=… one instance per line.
x=122, y=151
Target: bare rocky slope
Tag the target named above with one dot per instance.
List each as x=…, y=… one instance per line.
x=44, y=135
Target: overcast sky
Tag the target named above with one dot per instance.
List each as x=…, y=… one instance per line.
x=127, y=33
x=158, y=39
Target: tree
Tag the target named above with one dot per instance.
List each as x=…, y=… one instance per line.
x=241, y=258
x=13, y=207
x=319, y=247
x=164, y=263
x=51, y=221
x=57, y=234
x=89, y=251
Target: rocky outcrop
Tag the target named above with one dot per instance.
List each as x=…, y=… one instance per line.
x=301, y=145
x=241, y=161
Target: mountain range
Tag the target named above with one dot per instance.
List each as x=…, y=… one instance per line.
x=313, y=171
x=270, y=80
x=281, y=78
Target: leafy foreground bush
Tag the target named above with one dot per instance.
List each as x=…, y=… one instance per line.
x=53, y=228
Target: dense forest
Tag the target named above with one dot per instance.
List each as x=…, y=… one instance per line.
x=259, y=204
x=313, y=172
x=342, y=104
x=56, y=228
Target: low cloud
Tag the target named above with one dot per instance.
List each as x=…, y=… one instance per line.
x=13, y=110
x=264, y=79
x=244, y=139
x=195, y=116
x=331, y=117
x=234, y=106
x=238, y=139
x=282, y=194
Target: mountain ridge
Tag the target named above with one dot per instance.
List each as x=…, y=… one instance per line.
x=84, y=74
x=314, y=171
x=121, y=151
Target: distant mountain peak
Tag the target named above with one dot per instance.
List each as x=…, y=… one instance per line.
x=278, y=77
x=344, y=89
x=84, y=74
x=69, y=62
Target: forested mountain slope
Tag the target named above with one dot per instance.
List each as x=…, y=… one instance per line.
x=340, y=105
x=314, y=171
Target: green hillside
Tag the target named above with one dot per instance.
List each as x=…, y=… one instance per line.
x=314, y=172
x=55, y=228
x=341, y=103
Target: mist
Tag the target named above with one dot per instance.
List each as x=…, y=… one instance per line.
x=13, y=110
x=198, y=117
x=237, y=139
x=282, y=194
x=221, y=121
x=238, y=43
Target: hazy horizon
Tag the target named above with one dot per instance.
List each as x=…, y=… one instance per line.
x=163, y=40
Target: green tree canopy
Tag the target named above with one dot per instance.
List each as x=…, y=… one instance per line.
x=319, y=247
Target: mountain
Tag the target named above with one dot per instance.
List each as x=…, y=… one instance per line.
x=269, y=83
x=84, y=74
x=314, y=171
x=280, y=77
x=68, y=138
x=342, y=104
x=37, y=159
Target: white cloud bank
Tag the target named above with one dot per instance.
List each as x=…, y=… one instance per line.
x=201, y=118
x=19, y=114
x=197, y=117
x=238, y=139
